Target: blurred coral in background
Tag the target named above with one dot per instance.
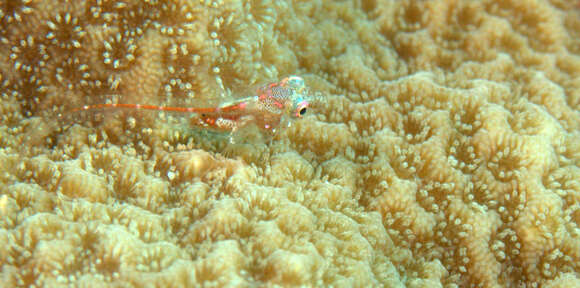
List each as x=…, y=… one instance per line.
x=445, y=151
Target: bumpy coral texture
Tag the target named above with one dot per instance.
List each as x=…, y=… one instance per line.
x=444, y=151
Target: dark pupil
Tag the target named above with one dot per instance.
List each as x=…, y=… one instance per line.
x=302, y=111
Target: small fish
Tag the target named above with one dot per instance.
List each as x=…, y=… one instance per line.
x=273, y=106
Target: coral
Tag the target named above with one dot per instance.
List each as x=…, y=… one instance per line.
x=442, y=147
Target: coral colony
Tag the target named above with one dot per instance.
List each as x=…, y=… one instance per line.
x=446, y=151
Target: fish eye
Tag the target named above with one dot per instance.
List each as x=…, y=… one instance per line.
x=302, y=111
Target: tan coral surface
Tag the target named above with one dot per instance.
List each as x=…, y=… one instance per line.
x=444, y=151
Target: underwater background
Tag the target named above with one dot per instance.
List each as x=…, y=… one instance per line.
x=443, y=149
